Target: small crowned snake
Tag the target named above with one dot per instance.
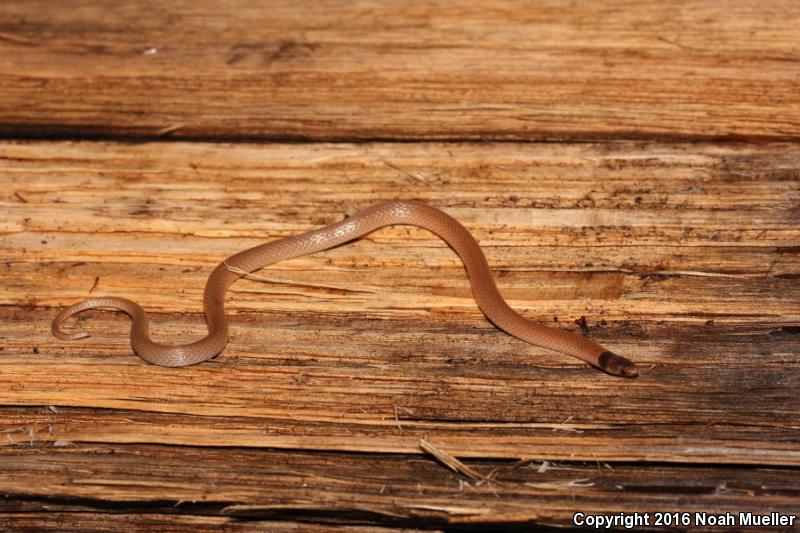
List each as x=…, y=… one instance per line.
x=385, y=214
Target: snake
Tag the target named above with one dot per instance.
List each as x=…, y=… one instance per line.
x=395, y=212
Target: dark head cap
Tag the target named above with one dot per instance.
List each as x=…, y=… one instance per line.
x=616, y=365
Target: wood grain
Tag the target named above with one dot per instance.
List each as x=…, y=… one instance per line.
x=683, y=256
x=446, y=70
x=396, y=489
x=31, y=518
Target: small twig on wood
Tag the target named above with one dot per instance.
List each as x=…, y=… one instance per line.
x=416, y=176
x=20, y=197
x=556, y=485
x=697, y=273
x=10, y=37
x=256, y=277
x=676, y=44
x=454, y=464
x=169, y=129
x=596, y=460
x=96, y=281
x=648, y=369
x=396, y=417
x=567, y=428
x=541, y=465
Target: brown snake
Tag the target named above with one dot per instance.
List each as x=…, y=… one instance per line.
x=385, y=214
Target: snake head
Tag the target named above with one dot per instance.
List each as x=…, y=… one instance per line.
x=616, y=365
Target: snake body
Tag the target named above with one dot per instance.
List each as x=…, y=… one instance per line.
x=385, y=214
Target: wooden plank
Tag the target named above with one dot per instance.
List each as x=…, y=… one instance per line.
x=351, y=488
x=683, y=256
x=39, y=518
x=503, y=402
x=453, y=69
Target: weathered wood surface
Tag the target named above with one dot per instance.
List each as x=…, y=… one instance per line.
x=683, y=256
x=456, y=69
x=396, y=489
